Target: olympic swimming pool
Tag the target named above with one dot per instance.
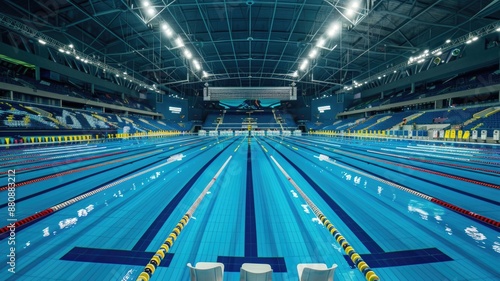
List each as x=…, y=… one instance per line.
x=412, y=210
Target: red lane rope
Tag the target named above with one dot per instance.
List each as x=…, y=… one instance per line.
x=417, y=193
x=89, y=151
x=73, y=200
x=19, y=184
x=455, y=165
x=466, y=212
x=422, y=170
x=27, y=220
x=64, y=162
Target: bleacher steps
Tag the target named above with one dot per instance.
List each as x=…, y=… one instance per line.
x=378, y=121
x=495, y=110
x=483, y=113
x=408, y=119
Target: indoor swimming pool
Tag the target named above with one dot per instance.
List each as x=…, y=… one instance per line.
x=99, y=211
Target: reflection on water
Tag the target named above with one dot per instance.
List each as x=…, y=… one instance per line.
x=316, y=220
x=129, y=275
x=479, y=237
x=425, y=209
x=46, y=232
x=496, y=246
x=417, y=209
x=84, y=212
x=306, y=208
x=357, y=180
x=66, y=223
x=379, y=190
x=448, y=230
x=336, y=247
x=119, y=194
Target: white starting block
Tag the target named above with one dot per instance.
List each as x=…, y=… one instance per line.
x=484, y=135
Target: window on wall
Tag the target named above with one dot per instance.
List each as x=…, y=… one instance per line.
x=340, y=98
x=159, y=98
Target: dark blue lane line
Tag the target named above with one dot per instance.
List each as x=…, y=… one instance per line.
x=389, y=258
x=366, y=239
x=127, y=257
x=233, y=264
x=399, y=258
x=250, y=223
x=150, y=233
x=123, y=256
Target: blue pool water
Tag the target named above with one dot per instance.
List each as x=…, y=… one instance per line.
x=376, y=193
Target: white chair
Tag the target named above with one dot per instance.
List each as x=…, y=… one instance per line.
x=256, y=272
x=206, y=271
x=315, y=272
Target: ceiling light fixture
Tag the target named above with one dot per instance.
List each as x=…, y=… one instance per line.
x=151, y=11
x=321, y=42
x=188, y=54
x=313, y=53
x=179, y=42
x=196, y=65
x=304, y=64
x=333, y=29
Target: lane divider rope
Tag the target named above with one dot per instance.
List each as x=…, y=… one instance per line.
x=419, y=169
x=158, y=257
x=60, y=174
x=435, y=162
x=416, y=193
x=64, y=162
x=69, y=202
x=358, y=261
x=58, y=157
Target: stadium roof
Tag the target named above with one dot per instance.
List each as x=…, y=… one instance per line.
x=322, y=45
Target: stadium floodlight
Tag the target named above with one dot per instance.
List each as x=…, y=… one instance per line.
x=151, y=11
x=179, y=42
x=187, y=54
x=321, y=42
x=304, y=64
x=168, y=31
x=313, y=53
x=196, y=64
x=333, y=29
